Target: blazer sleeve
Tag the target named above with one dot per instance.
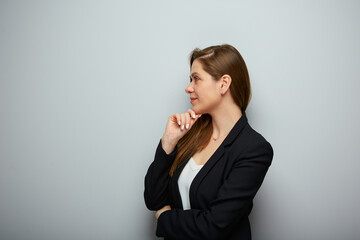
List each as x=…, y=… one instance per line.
x=157, y=179
x=230, y=205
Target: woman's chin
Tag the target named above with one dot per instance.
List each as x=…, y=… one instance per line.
x=200, y=112
x=197, y=110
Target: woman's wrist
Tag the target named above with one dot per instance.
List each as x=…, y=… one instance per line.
x=168, y=144
x=160, y=211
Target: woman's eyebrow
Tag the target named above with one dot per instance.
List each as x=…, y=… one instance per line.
x=194, y=73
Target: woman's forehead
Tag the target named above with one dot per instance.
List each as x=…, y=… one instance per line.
x=196, y=67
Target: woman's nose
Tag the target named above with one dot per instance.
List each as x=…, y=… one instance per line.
x=189, y=88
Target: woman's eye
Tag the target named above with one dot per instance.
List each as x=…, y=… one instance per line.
x=194, y=78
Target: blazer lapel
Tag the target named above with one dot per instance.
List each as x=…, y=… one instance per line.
x=175, y=185
x=239, y=125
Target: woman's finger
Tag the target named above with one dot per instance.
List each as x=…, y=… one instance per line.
x=182, y=125
x=192, y=113
x=187, y=120
x=178, y=118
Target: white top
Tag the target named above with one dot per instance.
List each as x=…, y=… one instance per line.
x=185, y=179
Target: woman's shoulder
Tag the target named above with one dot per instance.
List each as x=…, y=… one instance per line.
x=250, y=140
x=251, y=134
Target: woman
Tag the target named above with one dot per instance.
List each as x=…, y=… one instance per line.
x=209, y=163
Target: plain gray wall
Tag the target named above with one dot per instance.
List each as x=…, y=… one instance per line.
x=86, y=88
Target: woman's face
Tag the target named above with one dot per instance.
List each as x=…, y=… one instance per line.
x=203, y=89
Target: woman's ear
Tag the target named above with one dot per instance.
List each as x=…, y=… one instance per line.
x=225, y=82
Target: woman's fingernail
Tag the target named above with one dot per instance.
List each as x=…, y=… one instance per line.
x=182, y=127
x=179, y=123
x=194, y=115
x=187, y=126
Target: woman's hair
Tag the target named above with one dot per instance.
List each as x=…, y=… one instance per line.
x=217, y=61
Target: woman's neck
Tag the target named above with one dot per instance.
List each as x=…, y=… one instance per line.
x=224, y=119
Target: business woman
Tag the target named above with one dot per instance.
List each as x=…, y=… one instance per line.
x=209, y=163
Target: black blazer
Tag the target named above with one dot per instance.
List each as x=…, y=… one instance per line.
x=221, y=193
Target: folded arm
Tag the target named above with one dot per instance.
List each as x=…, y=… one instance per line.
x=157, y=179
x=230, y=206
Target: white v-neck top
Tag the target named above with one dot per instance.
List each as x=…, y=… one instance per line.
x=185, y=179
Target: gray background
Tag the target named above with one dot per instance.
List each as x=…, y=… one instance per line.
x=86, y=88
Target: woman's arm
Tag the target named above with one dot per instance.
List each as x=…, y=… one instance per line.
x=157, y=176
x=157, y=179
x=160, y=211
x=231, y=203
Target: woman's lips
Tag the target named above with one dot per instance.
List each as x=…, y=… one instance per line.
x=192, y=100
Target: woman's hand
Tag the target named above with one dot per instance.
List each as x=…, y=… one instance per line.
x=160, y=211
x=177, y=126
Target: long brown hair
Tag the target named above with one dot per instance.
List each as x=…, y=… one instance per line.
x=217, y=61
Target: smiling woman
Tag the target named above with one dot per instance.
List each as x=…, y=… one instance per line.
x=210, y=163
